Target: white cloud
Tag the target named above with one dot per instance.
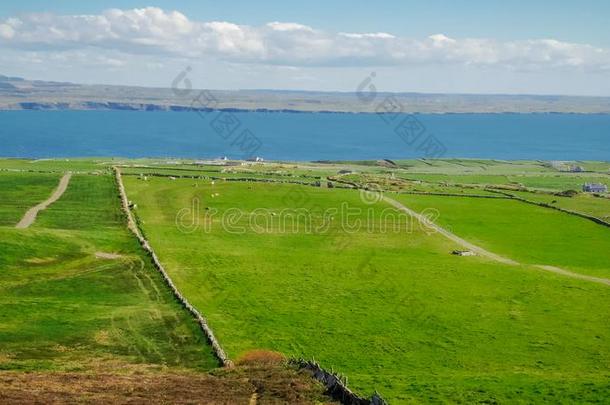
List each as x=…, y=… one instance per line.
x=154, y=31
x=379, y=35
x=280, y=26
x=6, y=31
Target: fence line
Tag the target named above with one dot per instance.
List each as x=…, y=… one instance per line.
x=201, y=321
x=546, y=205
x=453, y=194
x=183, y=169
x=315, y=183
x=352, y=185
x=336, y=385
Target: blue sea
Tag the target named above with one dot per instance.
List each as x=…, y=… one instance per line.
x=303, y=136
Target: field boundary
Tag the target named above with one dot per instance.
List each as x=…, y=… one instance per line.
x=497, y=197
x=336, y=386
x=315, y=183
x=359, y=187
x=193, y=170
x=201, y=321
x=545, y=205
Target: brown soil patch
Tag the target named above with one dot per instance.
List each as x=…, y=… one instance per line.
x=269, y=385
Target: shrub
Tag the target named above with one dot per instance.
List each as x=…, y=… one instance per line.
x=258, y=357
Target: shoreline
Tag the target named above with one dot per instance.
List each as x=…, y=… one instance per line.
x=160, y=108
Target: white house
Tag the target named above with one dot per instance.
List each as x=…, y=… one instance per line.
x=594, y=188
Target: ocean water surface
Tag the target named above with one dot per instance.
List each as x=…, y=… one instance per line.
x=303, y=136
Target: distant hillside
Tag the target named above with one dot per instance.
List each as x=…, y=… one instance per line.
x=20, y=94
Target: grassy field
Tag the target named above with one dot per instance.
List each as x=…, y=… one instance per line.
x=19, y=193
x=306, y=271
x=396, y=312
x=63, y=308
x=217, y=174
x=474, y=166
x=388, y=182
x=58, y=165
x=551, y=182
x=583, y=203
x=524, y=232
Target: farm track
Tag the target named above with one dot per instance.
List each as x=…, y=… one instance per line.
x=482, y=252
x=563, y=272
x=30, y=216
x=464, y=243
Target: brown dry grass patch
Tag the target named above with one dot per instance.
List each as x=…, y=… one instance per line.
x=261, y=357
x=272, y=384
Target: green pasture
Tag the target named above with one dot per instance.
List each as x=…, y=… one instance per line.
x=475, y=166
x=58, y=164
x=523, y=232
x=394, y=311
x=551, y=182
x=20, y=192
x=63, y=308
x=584, y=203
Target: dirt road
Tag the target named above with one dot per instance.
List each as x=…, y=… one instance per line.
x=482, y=252
x=432, y=226
x=30, y=216
x=563, y=272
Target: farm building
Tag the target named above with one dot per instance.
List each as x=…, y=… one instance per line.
x=255, y=159
x=594, y=188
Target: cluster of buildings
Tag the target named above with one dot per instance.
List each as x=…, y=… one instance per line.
x=224, y=161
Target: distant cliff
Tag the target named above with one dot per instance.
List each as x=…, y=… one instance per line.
x=20, y=94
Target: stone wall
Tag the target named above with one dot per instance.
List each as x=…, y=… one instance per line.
x=201, y=321
x=545, y=205
x=336, y=386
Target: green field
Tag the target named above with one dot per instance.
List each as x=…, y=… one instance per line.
x=58, y=165
x=387, y=182
x=277, y=266
x=551, y=182
x=396, y=312
x=584, y=203
x=524, y=232
x=63, y=308
x=472, y=166
x=20, y=192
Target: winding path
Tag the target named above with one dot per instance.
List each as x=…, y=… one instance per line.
x=30, y=216
x=464, y=243
x=482, y=252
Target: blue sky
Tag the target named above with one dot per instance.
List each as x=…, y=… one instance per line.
x=575, y=63
x=576, y=21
